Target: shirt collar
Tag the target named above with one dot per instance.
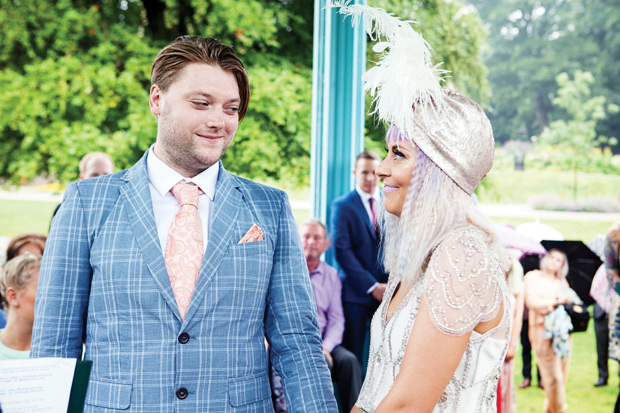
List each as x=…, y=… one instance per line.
x=319, y=268
x=366, y=196
x=163, y=177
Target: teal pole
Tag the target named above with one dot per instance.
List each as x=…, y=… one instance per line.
x=338, y=107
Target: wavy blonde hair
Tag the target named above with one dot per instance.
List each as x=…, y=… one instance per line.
x=16, y=274
x=434, y=206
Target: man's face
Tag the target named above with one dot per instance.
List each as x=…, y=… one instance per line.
x=197, y=117
x=97, y=167
x=313, y=241
x=365, y=174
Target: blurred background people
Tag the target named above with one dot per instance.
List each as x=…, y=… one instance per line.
x=356, y=247
x=345, y=368
x=602, y=293
x=507, y=401
x=20, y=244
x=546, y=290
x=612, y=268
x=18, y=288
x=93, y=164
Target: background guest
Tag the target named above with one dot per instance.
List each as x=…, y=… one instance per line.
x=93, y=164
x=356, y=246
x=612, y=244
x=23, y=243
x=514, y=279
x=345, y=369
x=18, y=289
x=545, y=291
x=602, y=293
x=526, y=347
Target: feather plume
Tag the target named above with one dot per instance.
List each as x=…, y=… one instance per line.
x=404, y=76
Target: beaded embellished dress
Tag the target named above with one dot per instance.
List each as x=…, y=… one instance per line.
x=463, y=286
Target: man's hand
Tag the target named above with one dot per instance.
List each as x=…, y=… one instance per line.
x=378, y=291
x=329, y=358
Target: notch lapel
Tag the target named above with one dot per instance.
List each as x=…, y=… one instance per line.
x=136, y=197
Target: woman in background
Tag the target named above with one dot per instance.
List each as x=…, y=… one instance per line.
x=545, y=292
x=23, y=243
x=18, y=289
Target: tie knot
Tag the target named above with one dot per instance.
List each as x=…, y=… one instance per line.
x=186, y=193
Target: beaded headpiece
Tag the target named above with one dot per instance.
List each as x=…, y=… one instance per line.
x=451, y=129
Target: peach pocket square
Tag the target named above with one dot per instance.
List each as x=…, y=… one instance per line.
x=254, y=234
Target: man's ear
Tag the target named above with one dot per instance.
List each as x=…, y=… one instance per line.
x=326, y=244
x=155, y=100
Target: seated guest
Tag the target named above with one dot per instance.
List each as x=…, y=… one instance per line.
x=23, y=243
x=18, y=289
x=345, y=369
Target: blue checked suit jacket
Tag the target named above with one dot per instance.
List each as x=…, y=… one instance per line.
x=104, y=283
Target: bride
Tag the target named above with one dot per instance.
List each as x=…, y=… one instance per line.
x=441, y=333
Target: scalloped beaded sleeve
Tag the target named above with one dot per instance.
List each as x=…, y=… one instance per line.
x=462, y=283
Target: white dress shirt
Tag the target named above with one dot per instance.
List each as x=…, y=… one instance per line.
x=165, y=206
x=365, y=200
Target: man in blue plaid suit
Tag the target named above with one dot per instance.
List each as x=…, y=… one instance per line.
x=104, y=281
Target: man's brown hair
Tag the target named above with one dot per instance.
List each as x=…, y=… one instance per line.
x=193, y=49
x=368, y=155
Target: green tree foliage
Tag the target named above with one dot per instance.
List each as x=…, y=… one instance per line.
x=456, y=34
x=76, y=75
x=574, y=144
x=533, y=41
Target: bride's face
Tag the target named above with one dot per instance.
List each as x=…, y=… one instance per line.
x=395, y=171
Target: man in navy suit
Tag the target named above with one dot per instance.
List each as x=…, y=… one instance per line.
x=356, y=246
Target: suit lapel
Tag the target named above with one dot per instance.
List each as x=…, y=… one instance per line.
x=136, y=197
x=363, y=215
x=226, y=204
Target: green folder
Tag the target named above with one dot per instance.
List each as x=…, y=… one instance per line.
x=79, y=386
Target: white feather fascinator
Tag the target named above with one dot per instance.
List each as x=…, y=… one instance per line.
x=451, y=129
x=405, y=74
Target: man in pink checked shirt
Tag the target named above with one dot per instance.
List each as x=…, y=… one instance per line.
x=345, y=368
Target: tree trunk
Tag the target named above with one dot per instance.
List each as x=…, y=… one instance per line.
x=540, y=106
x=155, y=24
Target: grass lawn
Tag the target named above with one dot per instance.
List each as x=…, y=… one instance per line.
x=517, y=187
x=19, y=216
x=571, y=229
x=582, y=373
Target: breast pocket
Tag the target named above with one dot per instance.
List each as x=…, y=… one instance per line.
x=243, y=277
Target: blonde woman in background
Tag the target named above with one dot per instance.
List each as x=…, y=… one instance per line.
x=18, y=288
x=545, y=291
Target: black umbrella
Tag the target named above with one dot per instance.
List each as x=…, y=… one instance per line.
x=582, y=265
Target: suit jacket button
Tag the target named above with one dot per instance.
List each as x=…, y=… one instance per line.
x=182, y=393
x=183, y=338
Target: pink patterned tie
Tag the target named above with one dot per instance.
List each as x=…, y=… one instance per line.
x=184, y=245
